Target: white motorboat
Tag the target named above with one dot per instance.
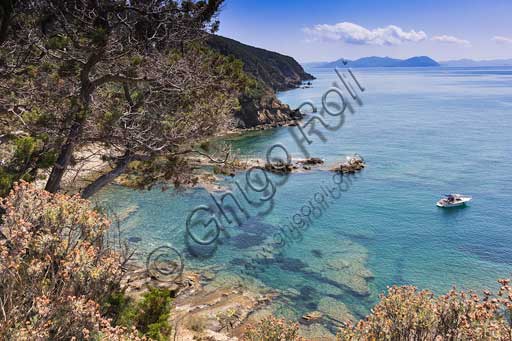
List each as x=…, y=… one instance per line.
x=453, y=200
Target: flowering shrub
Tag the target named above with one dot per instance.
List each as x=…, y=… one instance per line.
x=55, y=268
x=408, y=314
x=273, y=329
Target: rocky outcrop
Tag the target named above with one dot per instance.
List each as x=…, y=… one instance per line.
x=352, y=165
x=272, y=72
x=264, y=111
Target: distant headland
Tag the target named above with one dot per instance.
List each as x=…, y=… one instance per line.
x=420, y=61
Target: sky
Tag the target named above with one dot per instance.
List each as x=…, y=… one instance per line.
x=331, y=29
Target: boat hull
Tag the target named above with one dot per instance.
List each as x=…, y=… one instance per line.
x=458, y=203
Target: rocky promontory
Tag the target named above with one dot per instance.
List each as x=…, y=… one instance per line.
x=266, y=110
x=272, y=72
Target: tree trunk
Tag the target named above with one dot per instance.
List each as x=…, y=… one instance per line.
x=107, y=178
x=66, y=152
x=6, y=11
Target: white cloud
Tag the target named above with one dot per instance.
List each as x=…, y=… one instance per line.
x=355, y=34
x=451, y=40
x=502, y=40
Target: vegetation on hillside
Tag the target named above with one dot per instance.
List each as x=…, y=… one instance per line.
x=274, y=70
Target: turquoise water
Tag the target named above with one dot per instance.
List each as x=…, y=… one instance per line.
x=423, y=132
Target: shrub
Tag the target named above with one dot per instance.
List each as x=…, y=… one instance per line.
x=150, y=315
x=55, y=268
x=273, y=329
x=153, y=314
x=408, y=314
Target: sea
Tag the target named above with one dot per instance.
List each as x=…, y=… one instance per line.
x=318, y=238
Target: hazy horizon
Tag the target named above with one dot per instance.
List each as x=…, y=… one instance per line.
x=327, y=31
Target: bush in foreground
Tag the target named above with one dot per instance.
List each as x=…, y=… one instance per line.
x=408, y=314
x=150, y=316
x=55, y=268
x=273, y=329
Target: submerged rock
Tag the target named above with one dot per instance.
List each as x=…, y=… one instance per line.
x=335, y=310
x=312, y=316
x=317, y=253
x=345, y=268
x=134, y=239
x=316, y=332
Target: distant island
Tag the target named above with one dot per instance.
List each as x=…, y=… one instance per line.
x=420, y=61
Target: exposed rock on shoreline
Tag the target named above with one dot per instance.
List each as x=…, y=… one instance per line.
x=208, y=306
x=352, y=165
x=264, y=111
x=272, y=72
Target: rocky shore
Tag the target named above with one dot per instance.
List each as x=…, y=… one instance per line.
x=207, y=304
x=264, y=112
x=213, y=304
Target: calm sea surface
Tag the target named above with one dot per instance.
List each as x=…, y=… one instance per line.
x=423, y=132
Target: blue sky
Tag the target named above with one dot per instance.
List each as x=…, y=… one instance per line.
x=331, y=29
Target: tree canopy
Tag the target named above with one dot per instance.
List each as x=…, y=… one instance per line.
x=132, y=78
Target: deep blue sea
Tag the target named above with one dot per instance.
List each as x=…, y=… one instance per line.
x=423, y=132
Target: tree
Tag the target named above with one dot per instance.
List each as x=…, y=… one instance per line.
x=129, y=76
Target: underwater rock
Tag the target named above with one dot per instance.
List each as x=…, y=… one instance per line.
x=317, y=253
x=316, y=332
x=345, y=269
x=336, y=311
x=127, y=212
x=134, y=239
x=208, y=275
x=337, y=264
x=312, y=316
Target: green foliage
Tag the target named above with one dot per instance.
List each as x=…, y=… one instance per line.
x=57, y=42
x=255, y=89
x=119, y=308
x=21, y=157
x=150, y=316
x=6, y=180
x=136, y=60
x=25, y=146
x=274, y=70
x=47, y=159
x=154, y=313
x=98, y=36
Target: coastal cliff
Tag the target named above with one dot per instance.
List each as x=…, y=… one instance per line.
x=273, y=72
